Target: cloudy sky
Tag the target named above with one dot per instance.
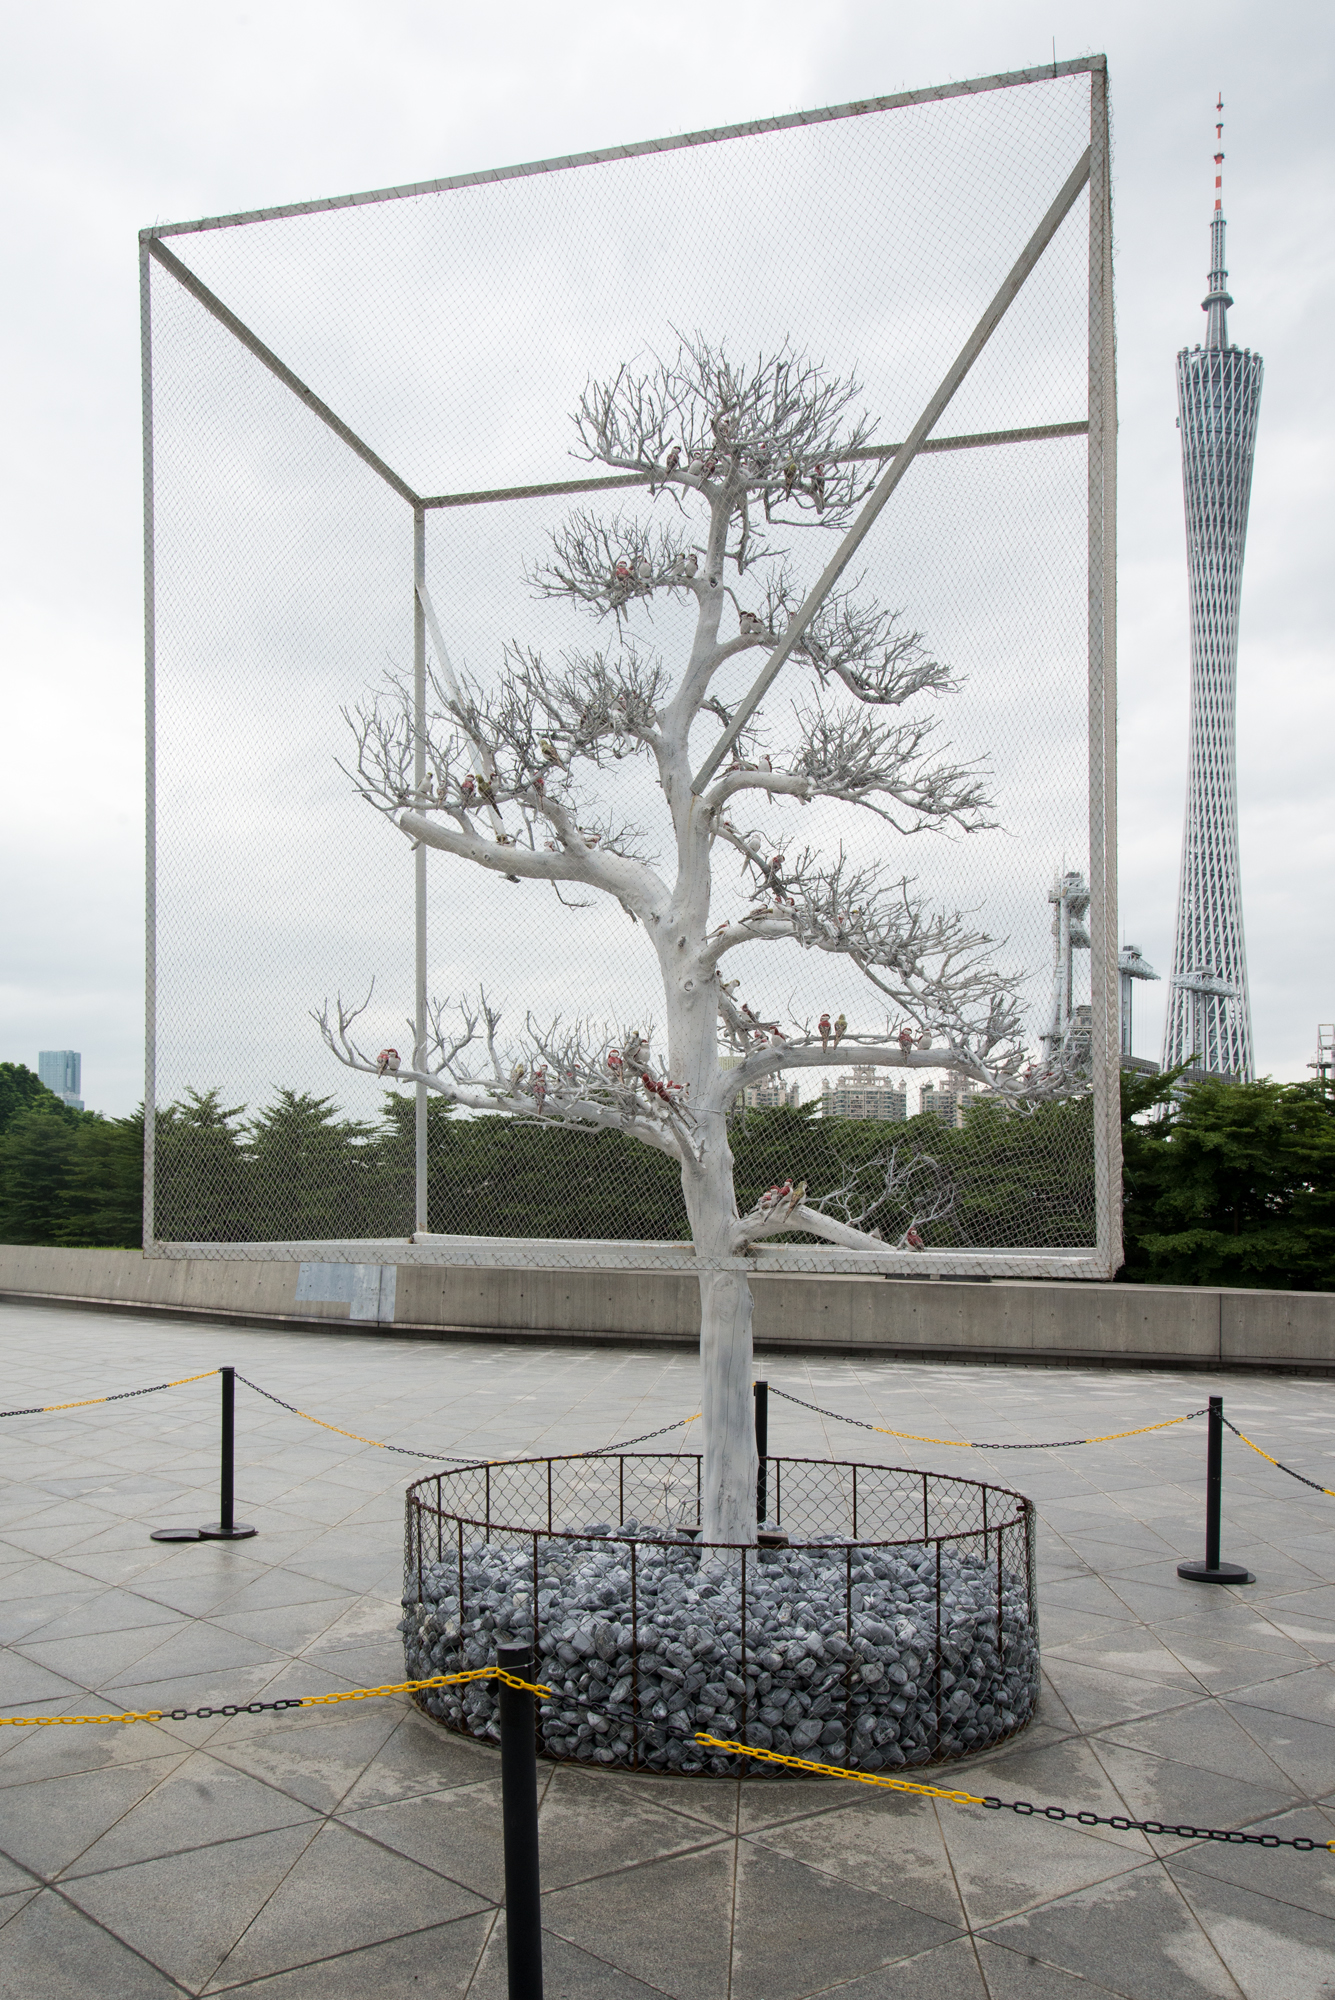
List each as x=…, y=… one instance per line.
x=145, y=113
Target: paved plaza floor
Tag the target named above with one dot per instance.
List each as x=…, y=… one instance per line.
x=355, y=1851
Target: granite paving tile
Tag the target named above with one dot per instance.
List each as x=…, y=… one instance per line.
x=198, y=1802
x=440, y=1962
x=667, y=1923
x=343, y=1893
x=49, y=1822
x=1134, y=1935
x=185, y=1912
x=1270, y=1947
x=52, y=1951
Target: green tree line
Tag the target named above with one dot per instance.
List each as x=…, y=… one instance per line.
x=1224, y=1184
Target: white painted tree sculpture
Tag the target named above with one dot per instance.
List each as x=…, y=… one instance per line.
x=730, y=454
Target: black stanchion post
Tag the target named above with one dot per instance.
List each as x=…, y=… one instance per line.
x=762, y=1450
x=1212, y=1570
x=519, y=1812
x=227, y=1528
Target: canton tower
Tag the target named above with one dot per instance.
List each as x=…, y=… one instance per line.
x=1208, y=1022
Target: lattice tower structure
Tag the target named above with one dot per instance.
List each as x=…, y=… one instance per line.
x=1219, y=399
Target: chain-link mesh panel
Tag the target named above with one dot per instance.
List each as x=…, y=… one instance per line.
x=447, y=337
x=889, y=1619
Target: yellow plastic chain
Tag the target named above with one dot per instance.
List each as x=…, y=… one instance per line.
x=836, y=1771
x=304, y=1701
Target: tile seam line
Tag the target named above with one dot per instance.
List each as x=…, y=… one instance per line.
x=177, y=1986
x=638, y=149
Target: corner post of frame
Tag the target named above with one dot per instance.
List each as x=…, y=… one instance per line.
x=419, y=872
x=150, y=748
x=1102, y=573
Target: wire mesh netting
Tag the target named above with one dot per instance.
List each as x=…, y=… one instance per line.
x=331, y=390
x=890, y=1619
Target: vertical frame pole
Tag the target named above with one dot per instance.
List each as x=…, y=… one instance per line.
x=150, y=750
x=419, y=872
x=1102, y=580
x=761, y=1390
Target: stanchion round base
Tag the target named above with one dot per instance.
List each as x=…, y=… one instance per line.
x=1198, y=1572
x=175, y=1535
x=215, y=1532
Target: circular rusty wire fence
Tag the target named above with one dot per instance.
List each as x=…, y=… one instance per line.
x=886, y=1618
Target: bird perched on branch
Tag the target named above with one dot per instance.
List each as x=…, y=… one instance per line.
x=673, y=459
x=789, y=476
x=906, y=1039
x=538, y=1086
x=797, y=1197
x=387, y=1062
x=840, y=1028
x=696, y=467
x=924, y=1041
x=773, y=1196
x=516, y=1076
x=912, y=1238
x=467, y=789
x=485, y=790
x=818, y=486
x=644, y=569
x=692, y=564
x=549, y=751
x=622, y=572
x=824, y=1025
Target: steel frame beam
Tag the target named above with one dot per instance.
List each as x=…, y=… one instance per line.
x=1005, y=296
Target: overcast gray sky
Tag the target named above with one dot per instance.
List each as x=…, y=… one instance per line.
x=116, y=118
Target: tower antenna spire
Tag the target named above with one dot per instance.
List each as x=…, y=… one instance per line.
x=1217, y=301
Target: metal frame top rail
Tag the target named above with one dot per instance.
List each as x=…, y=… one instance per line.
x=713, y=135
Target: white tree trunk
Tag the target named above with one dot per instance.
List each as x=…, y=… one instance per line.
x=728, y=1486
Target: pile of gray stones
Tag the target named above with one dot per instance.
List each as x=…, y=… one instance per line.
x=812, y=1682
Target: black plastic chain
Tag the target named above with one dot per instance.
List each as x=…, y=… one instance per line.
x=452, y=1457
x=1234, y=1835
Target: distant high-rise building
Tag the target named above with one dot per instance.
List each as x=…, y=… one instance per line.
x=59, y=1070
x=948, y=1101
x=864, y=1094
x=1208, y=1022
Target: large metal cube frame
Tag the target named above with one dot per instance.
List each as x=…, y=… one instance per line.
x=177, y=264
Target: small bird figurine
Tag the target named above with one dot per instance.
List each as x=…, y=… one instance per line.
x=673, y=459
x=824, y=1025
x=840, y=1028
x=912, y=1238
x=387, y=1062
x=789, y=476
x=818, y=485
x=467, y=789
x=692, y=564
x=906, y=1039
x=644, y=569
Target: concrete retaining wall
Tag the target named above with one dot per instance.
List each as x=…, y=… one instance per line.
x=1071, y=1323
